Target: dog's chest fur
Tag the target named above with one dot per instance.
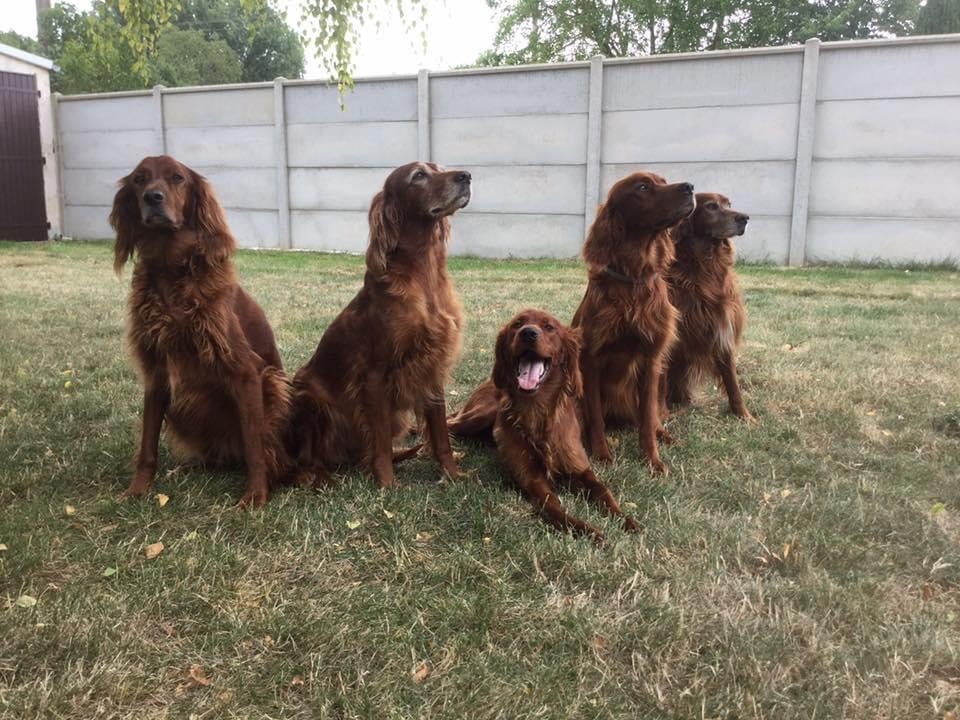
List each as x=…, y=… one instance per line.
x=178, y=322
x=425, y=334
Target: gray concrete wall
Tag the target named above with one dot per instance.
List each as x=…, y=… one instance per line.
x=838, y=151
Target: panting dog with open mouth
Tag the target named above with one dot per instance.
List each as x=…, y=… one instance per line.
x=536, y=388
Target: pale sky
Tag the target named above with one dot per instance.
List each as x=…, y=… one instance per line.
x=457, y=32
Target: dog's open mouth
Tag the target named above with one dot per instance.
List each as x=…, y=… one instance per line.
x=532, y=370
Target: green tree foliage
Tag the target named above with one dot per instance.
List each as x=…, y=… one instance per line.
x=939, y=16
x=128, y=44
x=21, y=42
x=186, y=57
x=96, y=57
x=259, y=35
x=533, y=31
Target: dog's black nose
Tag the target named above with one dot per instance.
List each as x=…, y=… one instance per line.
x=686, y=188
x=529, y=334
x=464, y=177
x=742, y=219
x=153, y=197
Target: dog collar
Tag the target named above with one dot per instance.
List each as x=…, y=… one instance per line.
x=616, y=275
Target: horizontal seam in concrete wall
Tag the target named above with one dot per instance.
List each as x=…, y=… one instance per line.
x=441, y=161
x=501, y=213
x=552, y=113
x=512, y=115
x=169, y=127
x=841, y=216
x=694, y=106
x=225, y=207
x=786, y=103
x=701, y=162
x=886, y=158
x=106, y=131
x=875, y=98
x=353, y=123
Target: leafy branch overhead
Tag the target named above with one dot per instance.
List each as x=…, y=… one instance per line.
x=334, y=26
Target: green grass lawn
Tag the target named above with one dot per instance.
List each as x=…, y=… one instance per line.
x=807, y=567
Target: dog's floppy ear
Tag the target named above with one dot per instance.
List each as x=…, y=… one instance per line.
x=605, y=234
x=124, y=219
x=384, y=219
x=570, y=363
x=209, y=220
x=503, y=369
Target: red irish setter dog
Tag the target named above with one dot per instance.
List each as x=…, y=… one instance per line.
x=703, y=287
x=389, y=352
x=627, y=320
x=536, y=387
x=210, y=366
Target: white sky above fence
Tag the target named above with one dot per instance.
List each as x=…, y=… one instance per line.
x=457, y=32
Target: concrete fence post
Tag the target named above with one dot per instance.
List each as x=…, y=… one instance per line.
x=806, y=127
x=591, y=197
x=423, y=115
x=60, y=231
x=284, y=241
x=159, y=130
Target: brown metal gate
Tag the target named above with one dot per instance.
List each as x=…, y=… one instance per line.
x=23, y=212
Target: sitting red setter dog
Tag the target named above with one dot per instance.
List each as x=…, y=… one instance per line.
x=626, y=317
x=536, y=387
x=389, y=352
x=207, y=354
x=703, y=287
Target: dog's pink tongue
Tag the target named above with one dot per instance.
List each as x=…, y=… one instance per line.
x=529, y=374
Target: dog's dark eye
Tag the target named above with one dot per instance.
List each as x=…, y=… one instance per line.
x=643, y=187
x=712, y=206
x=139, y=179
x=549, y=328
x=419, y=175
x=517, y=325
x=177, y=178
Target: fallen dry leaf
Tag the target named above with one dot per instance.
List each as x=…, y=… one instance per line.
x=151, y=551
x=25, y=601
x=162, y=499
x=297, y=681
x=786, y=551
x=69, y=510
x=353, y=524
x=199, y=676
x=487, y=540
x=422, y=536
x=786, y=492
x=3, y=547
x=927, y=593
x=389, y=515
x=421, y=672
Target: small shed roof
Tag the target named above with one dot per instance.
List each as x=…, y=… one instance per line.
x=26, y=57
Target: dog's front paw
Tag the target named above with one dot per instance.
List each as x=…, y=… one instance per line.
x=253, y=499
